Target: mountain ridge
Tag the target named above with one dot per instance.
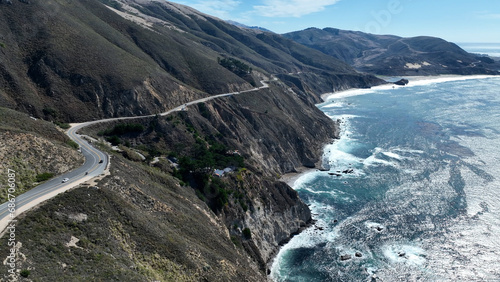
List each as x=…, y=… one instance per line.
x=394, y=55
x=53, y=66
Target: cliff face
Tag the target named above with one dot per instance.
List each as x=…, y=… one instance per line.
x=275, y=131
x=276, y=128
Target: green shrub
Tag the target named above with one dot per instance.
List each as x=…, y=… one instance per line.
x=236, y=241
x=44, y=176
x=122, y=129
x=25, y=273
x=63, y=125
x=204, y=110
x=114, y=140
x=72, y=144
x=246, y=233
x=200, y=195
x=243, y=205
x=235, y=66
x=49, y=112
x=2, y=44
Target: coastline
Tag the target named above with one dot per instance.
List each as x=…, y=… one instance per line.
x=413, y=81
x=291, y=177
x=461, y=92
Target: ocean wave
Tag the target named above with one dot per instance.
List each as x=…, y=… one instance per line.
x=334, y=105
x=404, y=253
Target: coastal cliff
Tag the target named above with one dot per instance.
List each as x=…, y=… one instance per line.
x=276, y=133
x=272, y=131
x=149, y=221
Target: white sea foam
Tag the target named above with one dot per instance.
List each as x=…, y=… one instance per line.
x=346, y=93
x=303, y=240
x=337, y=155
x=302, y=181
x=374, y=225
x=413, y=81
x=392, y=155
x=334, y=105
x=412, y=151
x=330, y=192
x=404, y=253
x=374, y=161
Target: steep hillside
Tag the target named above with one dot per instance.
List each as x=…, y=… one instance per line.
x=37, y=150
x=273, y=132
x=81, y=60
x=143, y=224
x=138, y=225
x=393, y=55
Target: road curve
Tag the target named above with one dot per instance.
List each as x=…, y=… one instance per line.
x=92, y=167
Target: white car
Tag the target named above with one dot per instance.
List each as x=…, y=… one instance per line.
x=65, y=180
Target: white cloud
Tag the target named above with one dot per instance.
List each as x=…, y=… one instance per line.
x=217, y=8
x=291, y=8
x=485, y=15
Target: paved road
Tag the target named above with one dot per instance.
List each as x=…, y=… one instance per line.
x=92, y=164
x=49, y=189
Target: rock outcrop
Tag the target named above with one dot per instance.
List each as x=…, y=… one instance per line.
x=402, y=82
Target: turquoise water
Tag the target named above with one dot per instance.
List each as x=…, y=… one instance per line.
x=423, y=199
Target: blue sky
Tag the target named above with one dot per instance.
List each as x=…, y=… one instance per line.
x=453, y=20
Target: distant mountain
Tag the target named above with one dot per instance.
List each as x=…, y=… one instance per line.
x=258, y=28
x=393, y=55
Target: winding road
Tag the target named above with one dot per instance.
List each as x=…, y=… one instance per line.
x=96, y=162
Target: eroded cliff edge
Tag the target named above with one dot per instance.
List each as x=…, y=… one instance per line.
x=275, y=131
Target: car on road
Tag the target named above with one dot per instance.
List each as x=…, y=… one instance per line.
x=65, y=180
x=101, y=161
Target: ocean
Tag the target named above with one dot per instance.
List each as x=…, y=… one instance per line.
x=412, y=191
x=490, y=49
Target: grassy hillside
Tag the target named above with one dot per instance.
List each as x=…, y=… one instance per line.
x=37, y=150
x=138, y=225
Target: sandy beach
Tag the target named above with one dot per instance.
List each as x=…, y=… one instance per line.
x=290, y=178
x=413, y=81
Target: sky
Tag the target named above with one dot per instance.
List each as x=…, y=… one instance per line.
x=454, y=20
